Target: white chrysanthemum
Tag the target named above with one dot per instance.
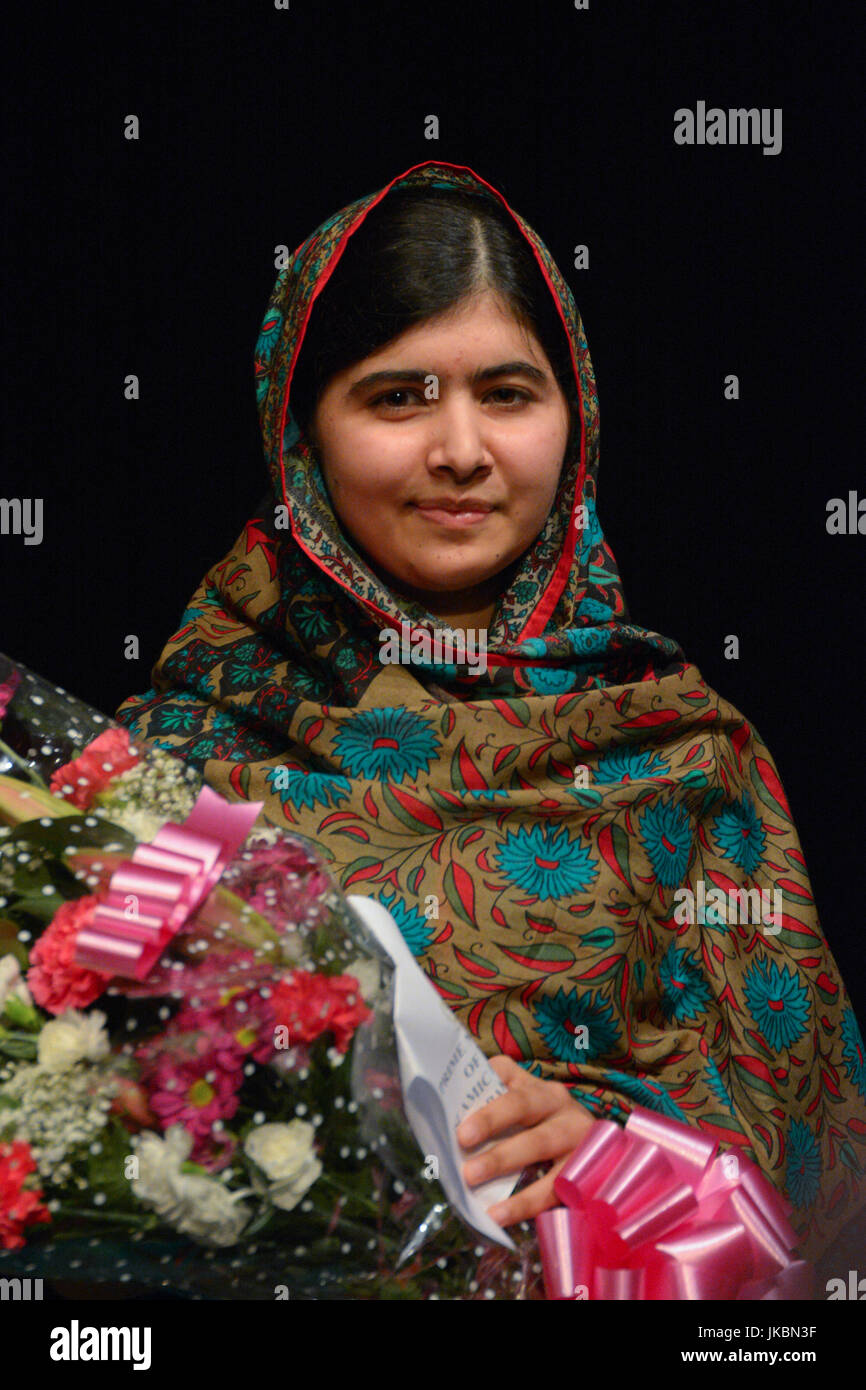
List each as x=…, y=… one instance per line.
x=12, y=984
x=284, y=1152
x=192, y=1203
x=73, y=1037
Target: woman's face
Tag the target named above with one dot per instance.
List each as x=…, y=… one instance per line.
x=464, y=412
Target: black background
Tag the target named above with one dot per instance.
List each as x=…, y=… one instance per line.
x=156, y=257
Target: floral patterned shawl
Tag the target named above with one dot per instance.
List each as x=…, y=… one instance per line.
x=529, y=827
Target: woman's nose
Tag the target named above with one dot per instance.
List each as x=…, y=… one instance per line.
x=458, y=439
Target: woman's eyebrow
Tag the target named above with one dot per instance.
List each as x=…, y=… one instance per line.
x=516, y=368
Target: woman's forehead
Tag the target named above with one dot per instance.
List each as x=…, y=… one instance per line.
x=480, y=323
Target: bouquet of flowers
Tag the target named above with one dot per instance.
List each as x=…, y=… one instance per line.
x=199, y=1077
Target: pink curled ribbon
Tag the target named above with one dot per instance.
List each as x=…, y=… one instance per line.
x=152, y=894
x=653, y=1211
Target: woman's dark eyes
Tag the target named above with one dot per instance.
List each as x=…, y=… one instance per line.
x=390, y=400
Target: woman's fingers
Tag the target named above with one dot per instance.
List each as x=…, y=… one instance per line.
x=526, y=1204
x=506, y=1068
x=527, y=1101
x=518, y=1106
x=548, y=1122
x=555, y=1137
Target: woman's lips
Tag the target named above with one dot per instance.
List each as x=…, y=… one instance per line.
x=446, y=518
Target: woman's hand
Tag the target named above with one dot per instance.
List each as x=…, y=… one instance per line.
x=551, y=1124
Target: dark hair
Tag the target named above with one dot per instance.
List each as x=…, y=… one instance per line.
x=417, y=254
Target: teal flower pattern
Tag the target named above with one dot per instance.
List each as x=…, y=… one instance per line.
x=684, y=990
x=803, y=1168
x=558, y=1016
x=650, y=1094
x=181, y=720
x=628, y=764
x=546, y=863
x=595, y=610
x=717, y=1085
x=740, y=834
x=386, y=743
x=533, y=646
x=853, y=1053
x=315, y=623
x=779, y=1002
x=246, y=664
x=416, y=929
x=667, y=833
x=309, y=685
x=588, y=641
x=550, y=680
x=300, y=788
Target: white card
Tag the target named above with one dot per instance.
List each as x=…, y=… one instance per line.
x=444, y=1074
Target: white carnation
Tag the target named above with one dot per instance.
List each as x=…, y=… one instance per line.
x=73, y=1037
x=192, y=1203
x=284, y=1152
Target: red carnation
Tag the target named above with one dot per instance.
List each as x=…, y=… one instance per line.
x=309, y=1005
x=55, y=981
x=19, y=1206
x=102, y=760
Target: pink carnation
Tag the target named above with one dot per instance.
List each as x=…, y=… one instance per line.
x=104, y=758
x=55, y=981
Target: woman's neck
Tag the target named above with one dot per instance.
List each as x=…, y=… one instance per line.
x=466, y=608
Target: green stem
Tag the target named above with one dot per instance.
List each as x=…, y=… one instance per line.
x=347, y=1192
x=124, y=1217
x=29, y=772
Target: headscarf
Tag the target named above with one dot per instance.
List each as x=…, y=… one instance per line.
x=530, y=827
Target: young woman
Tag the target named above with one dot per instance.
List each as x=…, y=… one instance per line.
x=588, y=849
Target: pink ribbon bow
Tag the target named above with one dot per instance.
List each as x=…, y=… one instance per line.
x=152, y=894
x=654, y=1212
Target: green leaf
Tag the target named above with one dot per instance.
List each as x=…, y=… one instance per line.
x=726, y=1122
x=21, y=1015
x=588, y=796
x=21, y=802
x=464, y=835
x=601, y=938
x=72, y=832
x=17, y=1045
x=849, y=1157
x=695, y=778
